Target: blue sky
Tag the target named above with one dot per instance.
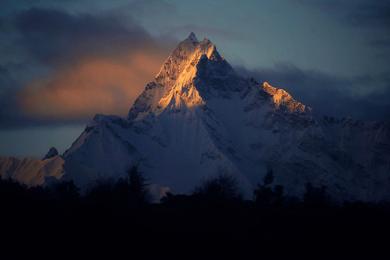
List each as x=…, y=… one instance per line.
x=332, y=55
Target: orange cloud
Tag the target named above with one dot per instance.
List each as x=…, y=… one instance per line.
x=93, y=85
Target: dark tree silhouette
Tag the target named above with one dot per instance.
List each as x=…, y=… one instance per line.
x=223, y=187
x=265, y=195
x=212, y=213
x=131, y=191
x=101, y=194
x=137, y=187
x=315, y=196
x=12, y=191
x=66, y=191
x=268, y=178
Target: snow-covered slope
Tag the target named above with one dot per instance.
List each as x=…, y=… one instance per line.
x=31, y=171
x=100, y=152
x=198, y=118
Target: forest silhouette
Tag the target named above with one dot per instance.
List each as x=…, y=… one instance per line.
x=215, y=214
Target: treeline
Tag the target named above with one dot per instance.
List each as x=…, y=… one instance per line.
x=215, y=212
x=132, y=192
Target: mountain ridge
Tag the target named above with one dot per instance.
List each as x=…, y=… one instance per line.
x=198, y=118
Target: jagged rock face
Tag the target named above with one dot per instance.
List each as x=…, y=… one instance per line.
x=198, y=118
x=282, y=98
x=30, y=171
x=180, y=79
x=51, y=153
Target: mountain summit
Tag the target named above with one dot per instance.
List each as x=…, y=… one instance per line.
x=196, y=72
x=198, y=118
x=178, y=84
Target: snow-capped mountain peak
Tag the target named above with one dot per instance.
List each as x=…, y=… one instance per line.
x=198, y=118
x=187, y=54
x=178, y=81
x=204, y=118
x=192, y=37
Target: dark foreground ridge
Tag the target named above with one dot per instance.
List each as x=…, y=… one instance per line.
x=119, y=217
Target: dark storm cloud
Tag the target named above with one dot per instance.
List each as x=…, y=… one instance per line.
x=373, y=16
x=380, y=43
x=55, y=36
x=151, y=7
x=43, y=37
x=54, y=51
x=369, y=14
x=356, y=12
x=6, y=80
x=372, y=19
x=4, y=75
x=328, y=94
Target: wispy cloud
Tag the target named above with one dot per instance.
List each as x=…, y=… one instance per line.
x=360, y=14
x=355, y=12
x=363, y=97
x=90, y=64
x=94, y=85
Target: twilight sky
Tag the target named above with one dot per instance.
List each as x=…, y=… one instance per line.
x=63, y=61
